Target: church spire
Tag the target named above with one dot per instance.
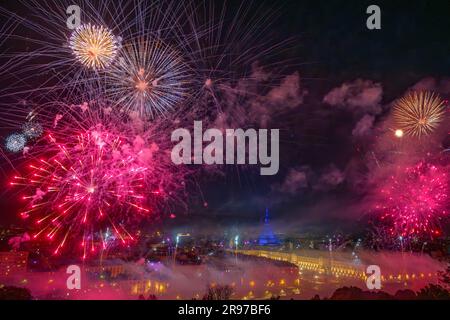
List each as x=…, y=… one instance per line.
x=267, y=237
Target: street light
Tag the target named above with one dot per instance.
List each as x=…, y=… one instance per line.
x=177, y=241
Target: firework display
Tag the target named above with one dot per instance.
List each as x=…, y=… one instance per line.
x=61, y=58
x=98, y=139
x=415, y=201
x=148, y=57
x=161, y=147
x=419, y=113
x=88, y=175
x=116, y=85
x=76, y=189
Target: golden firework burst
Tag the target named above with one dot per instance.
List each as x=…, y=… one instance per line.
x=94, y=46
x=418, y=113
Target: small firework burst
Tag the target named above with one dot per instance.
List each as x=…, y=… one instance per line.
x=418, y=113
x=149, y=78
x=414, y=201
x=15, y=142
x=32, y=129
x=94, y=46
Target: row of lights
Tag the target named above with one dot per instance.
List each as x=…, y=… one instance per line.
x=336, y=271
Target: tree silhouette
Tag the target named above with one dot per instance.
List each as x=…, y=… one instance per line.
x=15, y=293
x=218, y=293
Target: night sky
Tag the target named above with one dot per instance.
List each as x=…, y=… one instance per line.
x=333, y=46
x=329, y=46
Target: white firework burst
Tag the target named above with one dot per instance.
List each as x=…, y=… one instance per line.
x=149, y=78
x=32, y=129
x=15, y=142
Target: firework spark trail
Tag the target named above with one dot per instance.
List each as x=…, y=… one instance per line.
x=50, y=44
x=226, y=50
x=415, y=201
x=6, y=30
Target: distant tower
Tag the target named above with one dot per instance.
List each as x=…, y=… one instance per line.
x=267, y=237
x=266, y=217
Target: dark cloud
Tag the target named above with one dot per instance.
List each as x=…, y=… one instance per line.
x=295, y=181
x=441, y=86
x=256, y=100
x=330, y=178
x=364, y=126
x=359, y=96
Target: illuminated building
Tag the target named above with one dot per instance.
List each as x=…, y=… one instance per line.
x=113, y=271
x=141, y=287
x=267, y=237
x=326, y=265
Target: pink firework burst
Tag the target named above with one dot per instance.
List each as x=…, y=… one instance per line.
x=415, y=201
x=92, y=183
